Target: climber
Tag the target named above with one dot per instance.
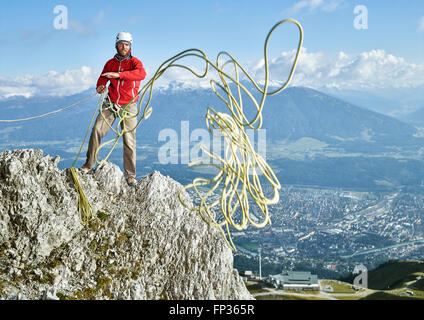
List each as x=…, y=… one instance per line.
x=125, y=73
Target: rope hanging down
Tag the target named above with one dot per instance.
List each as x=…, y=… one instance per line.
x=84, y=208
x=51, y=112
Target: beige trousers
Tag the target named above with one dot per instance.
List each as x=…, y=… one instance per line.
x=101, y=128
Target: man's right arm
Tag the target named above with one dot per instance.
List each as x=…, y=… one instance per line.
x=102, y=81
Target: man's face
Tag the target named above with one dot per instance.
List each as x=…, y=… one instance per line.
x=123, y=48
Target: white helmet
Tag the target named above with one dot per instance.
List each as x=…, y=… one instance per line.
x=124, y=36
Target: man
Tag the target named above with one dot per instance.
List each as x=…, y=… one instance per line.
x=125, y=73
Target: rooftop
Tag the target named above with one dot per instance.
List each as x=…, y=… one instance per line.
x=296, y=277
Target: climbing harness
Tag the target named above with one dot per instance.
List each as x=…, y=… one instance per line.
x=240, y=169
x=117, y=110
x=113, y=108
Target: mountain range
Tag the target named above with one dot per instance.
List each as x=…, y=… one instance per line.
x=312, y=137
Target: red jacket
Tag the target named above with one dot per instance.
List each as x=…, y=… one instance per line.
x=123, y=89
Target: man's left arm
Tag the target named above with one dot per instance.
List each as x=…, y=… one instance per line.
x=136, y=74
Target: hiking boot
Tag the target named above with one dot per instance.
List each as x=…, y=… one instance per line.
x=85, y=170
x=131, y=181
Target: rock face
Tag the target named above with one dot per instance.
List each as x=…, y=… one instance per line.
x=143, y=243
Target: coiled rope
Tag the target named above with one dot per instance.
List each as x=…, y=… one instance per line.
x=239, y=170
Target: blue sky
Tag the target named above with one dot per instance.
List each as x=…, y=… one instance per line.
x=33, y=47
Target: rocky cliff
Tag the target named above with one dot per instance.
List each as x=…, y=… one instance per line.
x=143, y=243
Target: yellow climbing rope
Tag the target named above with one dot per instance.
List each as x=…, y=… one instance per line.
x=239, y=118
x=51, y=112
x=239, y=170
x=84, y=208
x=241, y=166
x=85, y=211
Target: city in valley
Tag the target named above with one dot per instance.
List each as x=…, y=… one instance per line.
x=330, y=231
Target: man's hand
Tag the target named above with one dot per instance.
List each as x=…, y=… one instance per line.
x=101, y=89
x=111, y=75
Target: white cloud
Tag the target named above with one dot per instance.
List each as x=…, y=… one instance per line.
x=74, y=81
x=421, y=25
x=312, y=6
x=178, y=78
x=375, y=69
x=51, y=84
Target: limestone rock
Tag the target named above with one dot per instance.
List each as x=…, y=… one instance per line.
x=143, y=243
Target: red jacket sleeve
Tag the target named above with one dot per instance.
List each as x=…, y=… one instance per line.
x=102, y=81
x=136, y=74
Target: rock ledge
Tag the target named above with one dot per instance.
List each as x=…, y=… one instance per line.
x=143, y=243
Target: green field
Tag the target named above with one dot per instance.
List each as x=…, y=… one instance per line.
x=246, y=244
x=338, y=287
